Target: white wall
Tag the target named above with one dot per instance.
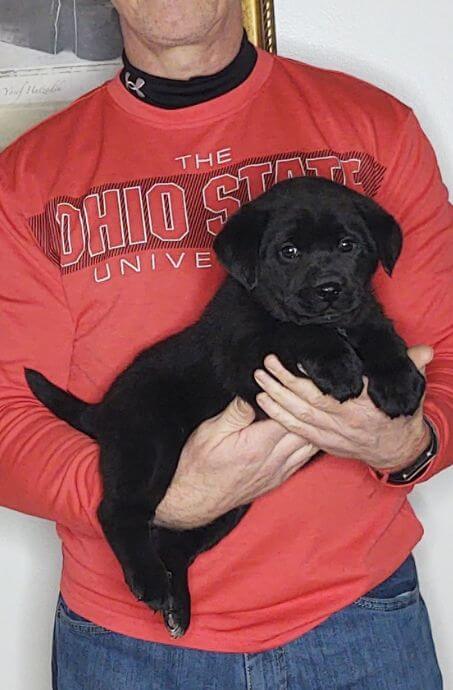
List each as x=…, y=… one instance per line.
x=403, y=46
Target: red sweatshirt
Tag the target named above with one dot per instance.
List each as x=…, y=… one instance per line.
x=108, y=213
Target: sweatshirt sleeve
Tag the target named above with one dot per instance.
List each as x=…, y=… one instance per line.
x=47, y=469
x=419, y=295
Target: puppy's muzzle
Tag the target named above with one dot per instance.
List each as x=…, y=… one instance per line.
x=328, y=291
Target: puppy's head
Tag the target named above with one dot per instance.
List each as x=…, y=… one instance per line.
x=308, y=248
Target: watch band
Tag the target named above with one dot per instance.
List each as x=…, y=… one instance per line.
x=420, y=465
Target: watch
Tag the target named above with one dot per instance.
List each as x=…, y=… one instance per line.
x=420, y=465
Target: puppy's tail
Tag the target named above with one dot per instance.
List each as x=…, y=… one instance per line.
x=77, y=413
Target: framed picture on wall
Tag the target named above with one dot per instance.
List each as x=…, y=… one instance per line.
x=52, y=51
x=259, y=21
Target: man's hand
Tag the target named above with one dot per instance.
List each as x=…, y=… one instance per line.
x=353, y=429
x=227, y=462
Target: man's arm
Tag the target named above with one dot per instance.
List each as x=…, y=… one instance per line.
x=419, y=299
x=419, y=296
x=47, y=469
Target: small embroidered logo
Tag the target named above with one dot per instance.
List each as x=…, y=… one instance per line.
x=135, y=86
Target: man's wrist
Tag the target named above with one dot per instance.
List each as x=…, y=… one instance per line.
x=420, y=444
x=173, y=512
x=168, y=516
x=419, y=466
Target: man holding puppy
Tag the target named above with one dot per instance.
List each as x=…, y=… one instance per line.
x=108, y=213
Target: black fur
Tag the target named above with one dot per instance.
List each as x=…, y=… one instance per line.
x=300, y=260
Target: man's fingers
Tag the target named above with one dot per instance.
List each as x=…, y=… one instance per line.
x=236, y=416
x=300, y=457
x=421, y=355
x=282, y=395
x=304, y=388
x=287, y=445
x=266, y=435
x=295, y=426
x=291, y=401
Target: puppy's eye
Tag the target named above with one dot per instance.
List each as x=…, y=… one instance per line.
x=289, y=251
x=346, y=244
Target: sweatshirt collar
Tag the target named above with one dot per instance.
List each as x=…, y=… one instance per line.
x=216, y=108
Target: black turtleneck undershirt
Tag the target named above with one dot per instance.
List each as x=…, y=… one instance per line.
x=175, y=93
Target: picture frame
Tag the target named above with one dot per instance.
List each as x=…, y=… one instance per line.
x=259, y=22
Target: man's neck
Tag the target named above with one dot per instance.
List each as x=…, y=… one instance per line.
x=181, y=93
x=216, y=50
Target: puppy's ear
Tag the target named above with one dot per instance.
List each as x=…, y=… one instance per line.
x=238, y=245
x=385, y=232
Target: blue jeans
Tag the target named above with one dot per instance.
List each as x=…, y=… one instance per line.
x=381, y=642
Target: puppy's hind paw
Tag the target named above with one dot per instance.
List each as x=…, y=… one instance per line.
x=175, y=623
x=177, y=616
x=152, y=586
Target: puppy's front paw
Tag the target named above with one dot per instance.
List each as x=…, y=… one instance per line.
x=398, y=389
x=337, y=375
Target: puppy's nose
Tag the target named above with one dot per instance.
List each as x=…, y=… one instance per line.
x=328, y=291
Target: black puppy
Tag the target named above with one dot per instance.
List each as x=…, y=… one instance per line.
x=300, y=260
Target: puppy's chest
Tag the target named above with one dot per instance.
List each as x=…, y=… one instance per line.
x=237, y=358
x=238, y=354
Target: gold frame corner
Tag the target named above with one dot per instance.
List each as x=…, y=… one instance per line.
x=259, y=22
